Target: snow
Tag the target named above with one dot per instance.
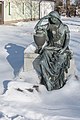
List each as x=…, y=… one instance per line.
x=19, y=98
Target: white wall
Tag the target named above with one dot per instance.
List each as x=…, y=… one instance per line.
x=16, y=9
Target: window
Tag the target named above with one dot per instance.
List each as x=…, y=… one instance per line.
x=0, y=9
x=23, y=8
x=9, y=8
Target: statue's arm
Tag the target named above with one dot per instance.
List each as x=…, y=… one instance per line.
x=38, y=25
x=67, y=39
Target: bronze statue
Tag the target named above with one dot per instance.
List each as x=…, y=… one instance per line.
x=53, y=46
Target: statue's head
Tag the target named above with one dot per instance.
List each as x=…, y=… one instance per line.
x=54, y=18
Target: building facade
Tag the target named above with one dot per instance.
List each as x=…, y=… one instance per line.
x=1, y=12
x=23, y=10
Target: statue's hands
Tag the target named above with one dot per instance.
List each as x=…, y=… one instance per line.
x=61, y=51
x=43, y=47
x=45, y=44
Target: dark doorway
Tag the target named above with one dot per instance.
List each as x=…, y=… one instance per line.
x=1, y=12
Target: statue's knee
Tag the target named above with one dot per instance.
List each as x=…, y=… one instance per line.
x=41, y=62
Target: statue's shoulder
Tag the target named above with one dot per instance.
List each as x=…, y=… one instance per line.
x=66, y=28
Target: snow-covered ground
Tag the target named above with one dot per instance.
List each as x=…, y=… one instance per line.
x=19, y=100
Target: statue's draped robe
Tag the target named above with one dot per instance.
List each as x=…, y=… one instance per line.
x=53, y=65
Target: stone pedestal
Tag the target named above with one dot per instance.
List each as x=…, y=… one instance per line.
x=30, y=58
x=31, y=65
x=28, y=61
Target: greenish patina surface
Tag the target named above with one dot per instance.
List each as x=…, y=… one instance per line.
x=55, y=54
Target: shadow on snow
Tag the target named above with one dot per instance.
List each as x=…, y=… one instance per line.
x=15, y=57
x=5, y=83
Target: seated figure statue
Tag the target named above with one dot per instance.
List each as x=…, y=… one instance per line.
x=54, y=54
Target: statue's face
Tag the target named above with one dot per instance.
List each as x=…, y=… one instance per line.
x=54, y=20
